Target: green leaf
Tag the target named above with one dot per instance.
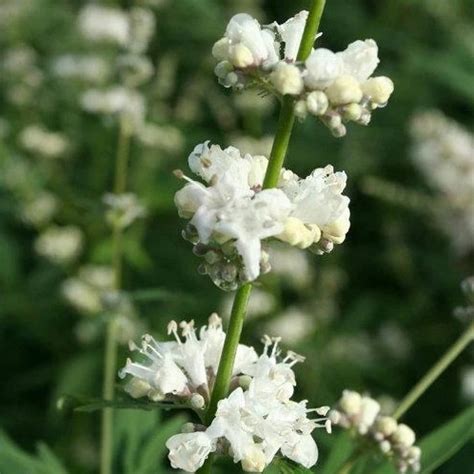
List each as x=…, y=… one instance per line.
x=51, y=464
x=443, y=443
x=84, y=404
x=341, y=451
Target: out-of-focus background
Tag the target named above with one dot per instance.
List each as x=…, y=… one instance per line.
x=373, y=315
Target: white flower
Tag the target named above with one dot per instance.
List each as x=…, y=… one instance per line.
x=61, y=245
x=188, y=451
x=301, y=449
x=98, y=23
x=182, y=368
x=90, y=68
x=360, y=59
x=126, y=102
x=40, y=209
x=322, y=67
x=123, y=209
x=291, y=33
x=36, y=139
x=245, y=43
x=318, y=200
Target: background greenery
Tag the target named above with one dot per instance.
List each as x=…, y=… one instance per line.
x=396, y=269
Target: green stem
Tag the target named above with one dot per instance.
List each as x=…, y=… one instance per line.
x=110, y=357
x=286, y=121
x=430, y=377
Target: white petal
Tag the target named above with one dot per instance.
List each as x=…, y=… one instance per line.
x=360, y=59
x=188, y=451
x=291, y=33
x=323, y=66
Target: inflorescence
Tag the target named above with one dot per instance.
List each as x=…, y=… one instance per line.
x=256, y=422
x=231, y=215
x=334, y=87
x=396, y=441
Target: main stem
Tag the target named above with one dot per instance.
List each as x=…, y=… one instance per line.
x=110, y=357
x=420, y=388
x=286, y=121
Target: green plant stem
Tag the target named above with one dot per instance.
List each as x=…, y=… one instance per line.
x=430, y=377
x=286, y=121
x=110, y=357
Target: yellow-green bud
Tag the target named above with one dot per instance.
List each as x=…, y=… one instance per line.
x=344, y=90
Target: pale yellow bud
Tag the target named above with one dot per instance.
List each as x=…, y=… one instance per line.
x=336, y=231
x=404, y=436
x=240, y=56
x=350, y=402
x=298, y=234
x=137, y=388
x=254, y=460
x=287, y=79
x=386, y=425
x=379, y=89
x=301, y=110
x=344, y=90
x=352, y=112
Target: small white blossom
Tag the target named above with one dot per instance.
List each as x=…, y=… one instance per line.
x=88, y=68
x=287, y=79
x=123, y=209
x=61, y=245
x=36, y=139
x=99, y=23
x=188, y=451
x=40, y=210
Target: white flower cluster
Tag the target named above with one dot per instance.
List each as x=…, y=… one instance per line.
x=254, y=423
x=39, y=209
x=86, y=290
x=231, y=214
x=132, y=30
x=396, y=441
x=85, y=67
x=36, y=139
x=122, y=209
x=61, y=245
x=334, y=87
x=444, y=153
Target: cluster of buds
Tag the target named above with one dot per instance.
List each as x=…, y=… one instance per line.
x=396, y=441
x=222, y=262
x=334, y=87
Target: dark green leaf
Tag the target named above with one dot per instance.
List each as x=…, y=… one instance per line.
x=342, y=449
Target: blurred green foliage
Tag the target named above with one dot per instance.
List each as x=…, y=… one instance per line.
x=396, y=268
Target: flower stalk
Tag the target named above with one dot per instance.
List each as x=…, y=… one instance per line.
x=432, y=375
x=277, y=157
x=110, y=357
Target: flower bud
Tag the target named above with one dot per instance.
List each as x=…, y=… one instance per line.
x=350, y=402
x=301, y=110
x=379, y=89
x=188, y=428
x=369, y=409
x=352, y=112
x=240, y=56
x=344, y=90
x=386, y=425
x=197, y=401
x=220, y=50
x=137, y=388
x=254, y=460
x=385, y=446
x=298, y=234
x=222, y=69
x=317, y=102
x=287, y=79
x=404, y=436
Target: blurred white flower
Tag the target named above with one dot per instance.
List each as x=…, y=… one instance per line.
x=128, y=103
x=261, y=303
x=284, y=262
x=37, y=140
x=142, y=28
x=294, y=323
x=39, y=210
x=88, y=67
x=163, y=137
x=253, y=146
x=61, y=245
x=444, y=153
x=85, y=291
x=108, y=24
x=123, y=209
